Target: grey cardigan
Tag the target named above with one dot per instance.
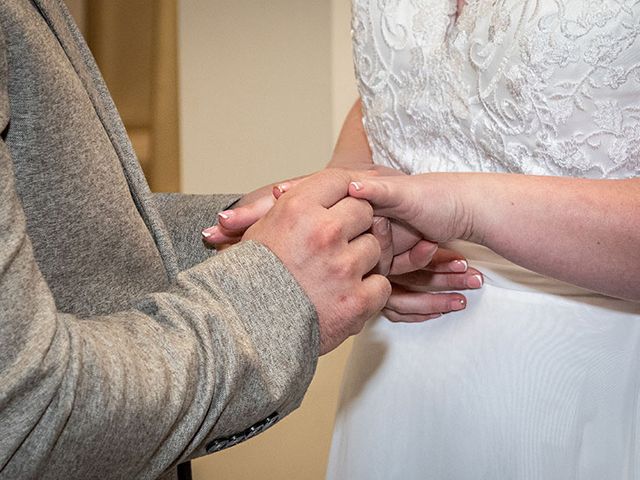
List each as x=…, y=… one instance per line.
x=126, y=346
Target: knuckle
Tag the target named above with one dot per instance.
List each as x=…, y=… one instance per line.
x=454, y=281
x=292, y=205
x=367, y=209
x=386, y=288
x=376, y=248
x=371, y=245
x=359, y=208
x=382, y=288
x=326, y=235
x=360, y=304
x=440, y=304
x=344, y=268
x=433, y=303
x=354, y=305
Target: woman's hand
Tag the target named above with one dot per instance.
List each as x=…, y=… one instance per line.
x=422, y=275
x=429, y=203
x=578, y=230
x=248, y=210
x=425, y=293
x=253, y=206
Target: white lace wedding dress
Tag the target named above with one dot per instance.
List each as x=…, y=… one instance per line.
x=536, y=379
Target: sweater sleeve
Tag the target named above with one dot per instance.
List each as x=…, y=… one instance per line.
x=185, y=216
x=128, y=394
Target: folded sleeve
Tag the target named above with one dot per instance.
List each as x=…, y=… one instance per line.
x=129, y=394
x=185, y=216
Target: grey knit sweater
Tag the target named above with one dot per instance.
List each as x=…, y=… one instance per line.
x=125, y=346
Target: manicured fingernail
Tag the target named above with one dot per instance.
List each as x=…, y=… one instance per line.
x=207, y=232
x=475, y=281
x=458, y=266
x=457, y=304
x=357, y=186
x=226, y=215
x=278, y=190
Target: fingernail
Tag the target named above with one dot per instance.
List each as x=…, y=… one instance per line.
x=475, y=281
x=458, y=266
x=281, y=189
x=227, y=214
x=357, y=186
x=456, y=305
x=381, y=225
x=207, y=232
x=278, y=190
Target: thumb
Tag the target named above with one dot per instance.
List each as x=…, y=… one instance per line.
x=387, y=196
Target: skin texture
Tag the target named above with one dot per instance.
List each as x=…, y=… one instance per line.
x=421, y=291
x=436, y=271
x=585, y=232
x=322, y=238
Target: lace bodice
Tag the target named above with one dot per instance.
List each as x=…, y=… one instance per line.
x=548, y=87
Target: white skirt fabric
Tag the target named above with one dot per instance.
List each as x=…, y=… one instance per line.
x=536, y=379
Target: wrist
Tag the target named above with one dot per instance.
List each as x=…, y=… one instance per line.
x=473, y=197
x=458, y=205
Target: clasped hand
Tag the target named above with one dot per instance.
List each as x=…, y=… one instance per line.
x=350, y=263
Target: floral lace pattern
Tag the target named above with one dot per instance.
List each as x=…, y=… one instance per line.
x=545, y=87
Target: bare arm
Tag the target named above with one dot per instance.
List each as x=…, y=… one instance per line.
x=352, y=146
x=586, y=232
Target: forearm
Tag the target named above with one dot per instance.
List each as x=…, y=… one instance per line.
x=150, y=385
x=154, y=384
x=126, y=394
x=586, y=232
x=352, y=146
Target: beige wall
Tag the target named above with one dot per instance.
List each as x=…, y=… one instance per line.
x=343, y=86
x=255, y=91
x=78, y=9
x=135, y=45
x=264, y=85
